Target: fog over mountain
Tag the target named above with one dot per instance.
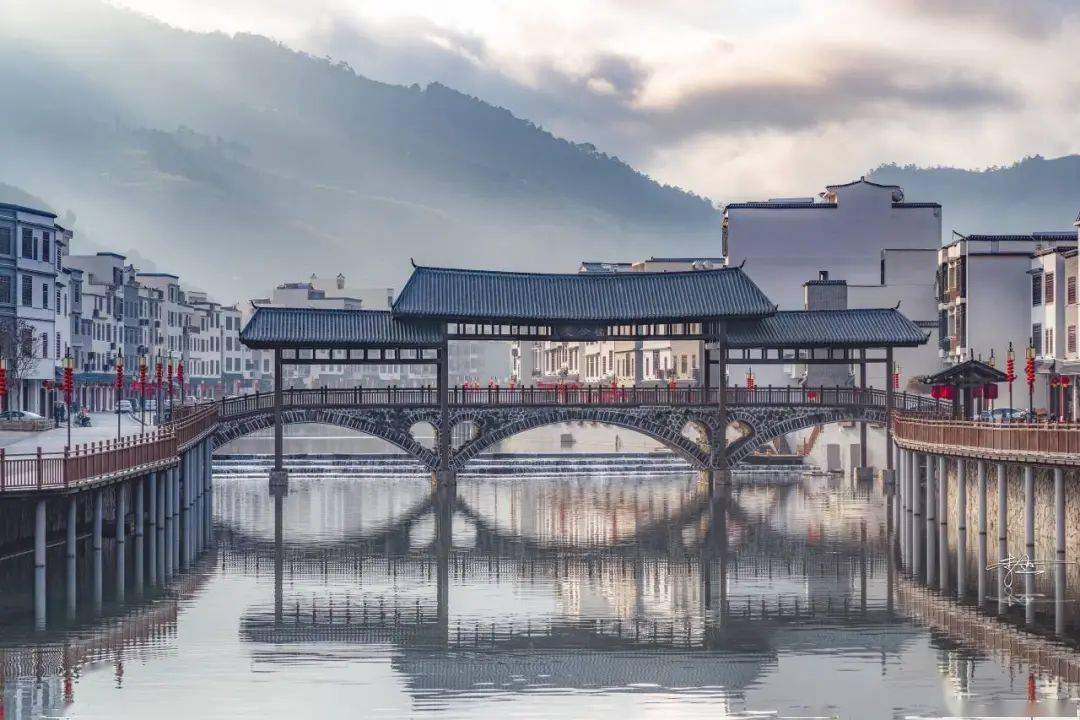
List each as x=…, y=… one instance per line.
x=239, y=163
x=1033, y=194
x=213, y=154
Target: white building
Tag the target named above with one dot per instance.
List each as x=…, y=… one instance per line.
x=1054, y=329
x=31, y=237
x=844, y=229
x=985, y=293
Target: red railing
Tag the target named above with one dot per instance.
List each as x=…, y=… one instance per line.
x=990, y=439
x=92, y=461
x=573, y=395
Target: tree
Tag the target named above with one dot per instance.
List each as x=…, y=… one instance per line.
x=20, y=349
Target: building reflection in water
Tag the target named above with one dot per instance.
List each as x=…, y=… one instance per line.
x=603, y=584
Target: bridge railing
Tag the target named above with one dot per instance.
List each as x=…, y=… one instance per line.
x=574, y=395
x=991, y=439
x=95, y=460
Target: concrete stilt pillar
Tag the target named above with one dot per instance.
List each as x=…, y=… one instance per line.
x=931, y=522
x=121, y=544
x=1059, y=552
x=40, y=513
x=168, y=508
x=152, y=528
x=71, y=552
x=909, y=470
x=1003, y=535
x=1029, y=542
x=982, y=559
x=95, y=544
x=961, y=529
x=162, y=479
x=917, y=530
x=176, y=519
x=209, y=492
x=138, y=504
x=942, y=480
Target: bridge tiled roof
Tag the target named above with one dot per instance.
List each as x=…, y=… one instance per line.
x=519, y=297
x=828, y=328
x=335, y=328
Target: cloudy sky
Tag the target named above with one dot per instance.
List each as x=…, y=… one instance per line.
x=729, y=99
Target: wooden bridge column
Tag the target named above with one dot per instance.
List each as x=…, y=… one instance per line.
x=720, y=443
x=890, y=399
x=916, y=532
x=443, y=474
x=95, y=544
x=137, y=505
x=943, y=523
x=279, y=478
x=931, y=523
x=961, y=529
x=863, y=473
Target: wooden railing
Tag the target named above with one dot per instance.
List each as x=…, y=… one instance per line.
x=93, y=461
x=566, y=395
x=1054, y=442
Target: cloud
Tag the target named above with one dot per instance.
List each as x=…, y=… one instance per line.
x=856, y=85
x=1027, y=18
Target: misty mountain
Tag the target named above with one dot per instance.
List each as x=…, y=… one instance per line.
x=1033, y=194
x=212, y=155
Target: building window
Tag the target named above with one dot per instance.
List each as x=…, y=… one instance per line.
x=46, y=248
x=27, y=291
x=1036, y=338
x=44, y=345
x=5, y=240
x=45, y=295
x=1070, y=290
x=28, y=243
x=1036, y=290
x=1048, y=288
x=1071, y=340
x=1048, y=349
x=57, y=346
x=5, y=289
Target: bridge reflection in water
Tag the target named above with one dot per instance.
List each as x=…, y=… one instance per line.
x=579, y=595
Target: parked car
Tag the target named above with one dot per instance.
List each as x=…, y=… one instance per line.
x=19, y=415
x=124, y=406
x=1003, y=415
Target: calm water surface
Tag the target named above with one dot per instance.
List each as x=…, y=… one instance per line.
x=617, y=595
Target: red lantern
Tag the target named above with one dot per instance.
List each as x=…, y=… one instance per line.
x=751, y=384
x=990, y=391
x=119, y=372
x=977, y=391
x=142, y=378
x=935, y=391
x=3, y=378
x=1063, y=380
x=180, y=374
x=811, y=395
x=69, y=381
x=157, y=371
x=1029, y=369
x=946, y=392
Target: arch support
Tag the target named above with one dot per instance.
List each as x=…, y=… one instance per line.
x=394, y=425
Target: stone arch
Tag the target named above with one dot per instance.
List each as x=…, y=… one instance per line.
x=663, y=425
x=768, y=423
x=390, y=424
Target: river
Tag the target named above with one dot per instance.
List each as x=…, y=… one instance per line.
x=614, y=591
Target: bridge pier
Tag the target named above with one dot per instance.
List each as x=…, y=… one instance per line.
x=942, y=480
x=1003, y=535
x=961, y=528
x=137, y=505
x=444, y=478
x=95, y=543
x=1029, y=542
x=1059, y=552
x=931, y=523
x=152, y=527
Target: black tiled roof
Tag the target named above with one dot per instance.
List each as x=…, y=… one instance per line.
x=326, y=327
x=965, y=374
x=1064, y=235
x=764, y=204
x=830, y=188
x=916, y=205
x=821, y=328
x=515, y=297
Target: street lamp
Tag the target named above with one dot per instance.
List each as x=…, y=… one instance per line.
x=157, y=384
x=3, y=384
x=142, y=391
x=119, y=386
x=170, y=382
x=1029, y=373
x=1010, y=375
